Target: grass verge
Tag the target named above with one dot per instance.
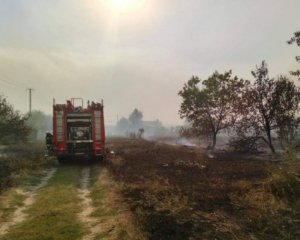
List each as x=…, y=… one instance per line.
x=114, y=219
x=19, y=162
x=10, y=200
x=13, y=198
x=54, y=212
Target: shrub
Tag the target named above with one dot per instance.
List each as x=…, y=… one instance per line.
x=18, y=160
x=290, y=153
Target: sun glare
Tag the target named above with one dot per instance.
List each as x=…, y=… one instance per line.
x=118, y=3
x=123, y=5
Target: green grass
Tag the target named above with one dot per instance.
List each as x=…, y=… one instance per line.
x=96, y=169
x=54, y=212
x=10, y=200
x=107, y=208
x=32, y=179
x=99, y=193
x=20, y=162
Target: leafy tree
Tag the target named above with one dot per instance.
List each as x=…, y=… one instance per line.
x=13, y=126
x=211, y=108
x=135, y=119
x=258, y=107
x=267, y=105
x=287, y=101
x=295, y=39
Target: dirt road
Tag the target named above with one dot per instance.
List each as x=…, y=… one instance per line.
x=19, y=214
x=68, y=202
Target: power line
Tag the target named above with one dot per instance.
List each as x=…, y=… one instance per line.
x=8, y=84
x=16, y=82
x=9, y=81
x=3, y=80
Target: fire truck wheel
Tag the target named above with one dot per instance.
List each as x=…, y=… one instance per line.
x=61, y=159
x=101, y=158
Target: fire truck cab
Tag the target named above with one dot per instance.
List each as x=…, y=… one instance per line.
x=78, y=131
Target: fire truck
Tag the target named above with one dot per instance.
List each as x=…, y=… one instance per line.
x=77, y=131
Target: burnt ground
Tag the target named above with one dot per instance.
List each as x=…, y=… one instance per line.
x=177, y=192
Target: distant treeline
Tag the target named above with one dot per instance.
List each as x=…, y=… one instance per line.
x=135, y=126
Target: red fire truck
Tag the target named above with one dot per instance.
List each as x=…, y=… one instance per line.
x=77, y=131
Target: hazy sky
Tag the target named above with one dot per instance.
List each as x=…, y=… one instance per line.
x=137, y=53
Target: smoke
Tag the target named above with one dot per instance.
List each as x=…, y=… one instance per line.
x=40, y=123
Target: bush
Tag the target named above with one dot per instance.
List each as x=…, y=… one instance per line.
x=13, y=126
x=245, y=144
x=19, y=160
x=287, y=188
x=290, y=153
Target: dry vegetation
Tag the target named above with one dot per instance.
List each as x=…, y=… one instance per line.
x=112, y=218
x=19, y=161
x=179, y=193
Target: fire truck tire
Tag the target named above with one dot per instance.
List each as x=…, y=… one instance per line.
x=101, y=158
x=61, y=159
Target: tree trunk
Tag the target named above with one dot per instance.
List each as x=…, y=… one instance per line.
x=214, y=141
x=270, y=141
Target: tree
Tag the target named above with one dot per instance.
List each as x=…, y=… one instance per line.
x=287, y=101
x=295, y=39
x=213, y=107
x=141, y=132
x=267, y=105
x=258, y=107
x=135, y=118
x=13, y=126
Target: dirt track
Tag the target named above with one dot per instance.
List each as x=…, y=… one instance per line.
x=19, y=214
x=87, y=206
x=71, y=201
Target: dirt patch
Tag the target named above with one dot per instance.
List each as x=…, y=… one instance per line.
x=87, y=208
x=103, y=215
x=19, y=214
x=113, y=216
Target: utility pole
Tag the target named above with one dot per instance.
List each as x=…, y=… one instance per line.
x=30, y=92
